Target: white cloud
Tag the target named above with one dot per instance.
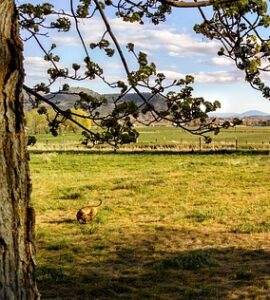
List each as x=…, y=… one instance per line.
x=156, y=40
x=36, y=70
x=216, y=61
x=265, y=76
x=163, y=38
x=65, y=40
x=36, y=67
x=146, y=37
x=225, y=77
x=114, y=66
x=222, y=61
x=218, y=77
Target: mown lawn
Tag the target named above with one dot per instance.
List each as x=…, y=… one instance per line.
x=171, y=226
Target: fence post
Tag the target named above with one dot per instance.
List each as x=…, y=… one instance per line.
x=236, y=143
x=200, y=143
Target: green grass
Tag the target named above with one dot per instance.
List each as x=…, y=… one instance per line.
x=252, y=228
x=170, y=138
x=170, y=227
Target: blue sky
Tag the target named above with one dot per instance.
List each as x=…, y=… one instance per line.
x=172, y=45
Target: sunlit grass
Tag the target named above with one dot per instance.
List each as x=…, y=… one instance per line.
x=170, y=227
x=241, y=137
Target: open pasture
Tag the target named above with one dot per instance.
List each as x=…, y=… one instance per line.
x=240, y=137
x=171, y=226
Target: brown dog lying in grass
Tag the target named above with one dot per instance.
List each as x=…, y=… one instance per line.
x=87, y=213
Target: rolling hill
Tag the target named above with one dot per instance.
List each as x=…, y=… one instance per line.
x=68, y=99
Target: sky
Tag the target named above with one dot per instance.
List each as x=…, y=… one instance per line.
x=174, y=47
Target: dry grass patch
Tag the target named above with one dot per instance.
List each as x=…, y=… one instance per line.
x=171, y=226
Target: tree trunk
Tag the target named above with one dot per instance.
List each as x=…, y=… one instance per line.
x=17, y=218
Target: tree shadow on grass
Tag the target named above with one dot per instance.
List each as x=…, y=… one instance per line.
x=63, y=221
x=135, y=270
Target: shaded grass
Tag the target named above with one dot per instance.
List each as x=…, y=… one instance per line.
x=59, y=245
x=170, y=227
x=190, y=261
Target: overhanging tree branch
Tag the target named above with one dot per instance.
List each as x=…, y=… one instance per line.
x=185, y=4
x=57, y=109
x=180, y=107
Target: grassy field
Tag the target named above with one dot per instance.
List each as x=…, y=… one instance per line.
x=158, y=137
x=171, y=226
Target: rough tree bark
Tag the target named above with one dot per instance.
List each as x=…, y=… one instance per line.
x=17, y=218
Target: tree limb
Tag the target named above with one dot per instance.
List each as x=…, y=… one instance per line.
x=185, y=4
x=57, y=109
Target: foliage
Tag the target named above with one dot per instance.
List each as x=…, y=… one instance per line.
x=79, y=115
x=41, y=120
x=36, y=122
x=235, y=24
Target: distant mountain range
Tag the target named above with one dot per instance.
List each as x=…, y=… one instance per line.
x=247, y=114
x=67, y=100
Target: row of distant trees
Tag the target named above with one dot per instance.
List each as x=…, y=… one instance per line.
x=37, y=123
x=252, y=121
x=256, y=121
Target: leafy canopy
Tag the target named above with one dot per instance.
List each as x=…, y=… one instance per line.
x=237, y=25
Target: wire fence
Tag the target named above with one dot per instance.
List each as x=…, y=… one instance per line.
x=184, y=145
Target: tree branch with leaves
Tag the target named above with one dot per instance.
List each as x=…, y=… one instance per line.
x=237, y=25
x=180, y=107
